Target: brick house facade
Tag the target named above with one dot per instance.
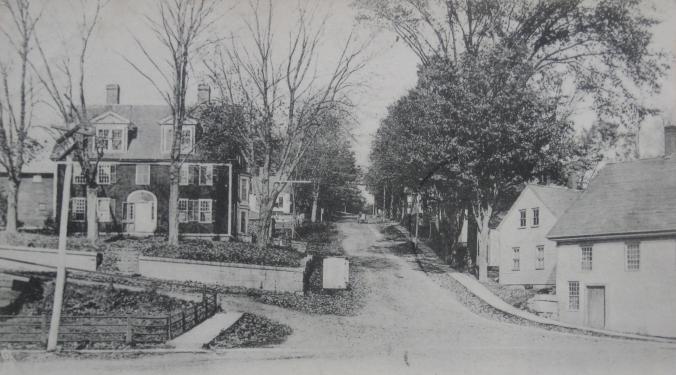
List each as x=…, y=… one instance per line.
x=133, y=176
x=36, y=193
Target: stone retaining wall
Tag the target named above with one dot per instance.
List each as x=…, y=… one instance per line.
x=83, y=260
x=276, y=279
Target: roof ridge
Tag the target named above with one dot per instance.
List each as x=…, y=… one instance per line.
x=559, y=187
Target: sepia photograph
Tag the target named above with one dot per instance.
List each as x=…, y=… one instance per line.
x=337, y=187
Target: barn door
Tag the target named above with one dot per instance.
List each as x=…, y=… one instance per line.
x=596, y=306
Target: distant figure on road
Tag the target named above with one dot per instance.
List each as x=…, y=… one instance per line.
x=362, y=218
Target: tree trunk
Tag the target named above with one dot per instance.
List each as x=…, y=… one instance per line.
x=173, y=204
x=482, y=248
x=264, y=230
x=12, y=212
x=391, y=213
x=315, y=197
x=92, y=217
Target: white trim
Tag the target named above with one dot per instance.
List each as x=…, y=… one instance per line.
x=169, y=120
x=55, y=188
x=119, y=120
x=230, y=200
x=147, y=161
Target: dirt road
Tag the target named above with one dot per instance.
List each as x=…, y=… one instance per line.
x=408, y=325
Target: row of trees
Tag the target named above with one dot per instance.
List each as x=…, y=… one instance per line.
x=276, y=102
x=497, y=84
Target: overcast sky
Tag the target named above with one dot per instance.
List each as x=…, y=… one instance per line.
x=390, y=71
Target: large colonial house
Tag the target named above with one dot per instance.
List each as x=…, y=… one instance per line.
x=617, y=248
x=133, y=175
x=526, y=256
x=36, y=192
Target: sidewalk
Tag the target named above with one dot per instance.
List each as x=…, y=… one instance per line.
x=427, y=255
x=205, y=331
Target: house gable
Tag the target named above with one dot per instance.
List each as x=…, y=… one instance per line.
x=110, y=118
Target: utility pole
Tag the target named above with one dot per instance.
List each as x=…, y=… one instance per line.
x=61, y=265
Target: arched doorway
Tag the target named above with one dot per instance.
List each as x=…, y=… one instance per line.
x=142, y=210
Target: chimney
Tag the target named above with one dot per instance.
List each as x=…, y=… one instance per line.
x=669, y=140
x=203, y=93
x=113, y=93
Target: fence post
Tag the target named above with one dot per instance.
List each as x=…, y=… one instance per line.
x=182, y=321
x=43, y=324
x=194, y=322
x=169, y=327
x=204, y=303
x=129, y=338
x=215, y=302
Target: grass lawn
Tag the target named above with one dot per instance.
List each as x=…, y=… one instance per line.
x=250, y=331
x=206, y=250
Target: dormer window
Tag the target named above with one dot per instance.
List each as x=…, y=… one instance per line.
x=187, y=138
x=111, y=132
x=111, y=139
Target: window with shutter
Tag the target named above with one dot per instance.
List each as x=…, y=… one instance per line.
x=182, y=210
x=106, y=174
x=103, y=209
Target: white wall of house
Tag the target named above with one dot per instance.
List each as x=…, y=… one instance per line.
x=527, y=239
x=642, y=301
x=494, y=248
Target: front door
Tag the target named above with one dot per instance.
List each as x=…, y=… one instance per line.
x=596, y=306
x=143, y=221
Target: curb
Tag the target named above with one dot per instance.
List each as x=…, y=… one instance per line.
x=526, y=315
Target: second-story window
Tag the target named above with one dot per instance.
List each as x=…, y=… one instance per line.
x=206, y=175
x=536, y=216
x=586, y=264
x=78, y=177
x=105, y=175
x=142, y=174
x=522, y=218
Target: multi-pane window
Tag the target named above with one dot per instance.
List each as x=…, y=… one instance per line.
x=206, y=175
x=522, y=218
x=110, y=139
x=187, y=139
x=244, y=189
x=280, y=202
x=586, y=263
x=194, y=210
x=104, y=209
x=78, y=177
x=78, y=209
x=105, y=174
x=190, y=174
x=128, y=211
x=143, y=174
x=205, y=211
x=540, y=258
x=633, y=256
x=516, y=259
x=573, y=295
x=536, y=216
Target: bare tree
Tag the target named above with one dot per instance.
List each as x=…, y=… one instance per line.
x=78, y=136
x=17, y=102
x=288, y=97
x=180, y=29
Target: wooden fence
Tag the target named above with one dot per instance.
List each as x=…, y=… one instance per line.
x=130, y=330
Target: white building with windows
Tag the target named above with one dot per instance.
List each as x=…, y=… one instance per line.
x=617, y=249
x=526, y=256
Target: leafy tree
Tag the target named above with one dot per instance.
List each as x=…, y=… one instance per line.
x=330, y=165
x=511, y=72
